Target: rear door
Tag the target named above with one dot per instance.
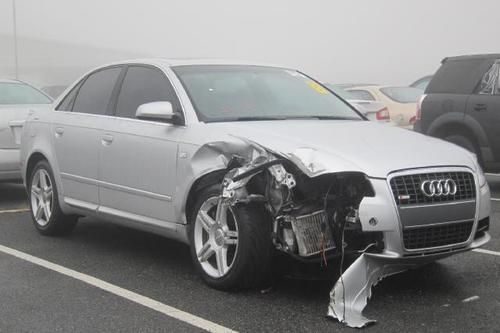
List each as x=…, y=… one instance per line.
x=484, y=107
x=138, y=160
x=76, y=126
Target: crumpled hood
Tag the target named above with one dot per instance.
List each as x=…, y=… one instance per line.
x=322, y=146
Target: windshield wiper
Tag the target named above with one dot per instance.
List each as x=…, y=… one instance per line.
x=252, y=118
x=337, y=118
x=323, y=118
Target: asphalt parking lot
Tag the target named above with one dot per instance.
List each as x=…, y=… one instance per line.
x=145, y=269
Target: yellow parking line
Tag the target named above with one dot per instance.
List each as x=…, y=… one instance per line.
x=11, y=211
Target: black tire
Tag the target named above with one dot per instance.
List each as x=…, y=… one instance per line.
x=251, y=267
x=466, y=143
x=58, y=224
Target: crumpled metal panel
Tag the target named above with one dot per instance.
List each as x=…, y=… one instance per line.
x=350, y=294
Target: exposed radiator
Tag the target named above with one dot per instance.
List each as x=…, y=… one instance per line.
x=307, y=229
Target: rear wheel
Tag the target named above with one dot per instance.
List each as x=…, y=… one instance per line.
x=466, y=143
x=43, y=200
x=234, y=252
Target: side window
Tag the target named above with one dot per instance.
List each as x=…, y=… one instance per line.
x=363, y=95
x=67, y=102
x=144, y=85
x=490, y=82
x=94, y=95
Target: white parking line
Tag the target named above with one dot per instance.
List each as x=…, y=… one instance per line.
x=487, y=252
x=495, y=199
x=19, y=210
x=127, y=294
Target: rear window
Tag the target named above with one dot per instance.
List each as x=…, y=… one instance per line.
x=19, y=93
x=457, y=77
x=402, y=94
x=363, y=95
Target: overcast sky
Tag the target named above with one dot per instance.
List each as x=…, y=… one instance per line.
x=386, y=41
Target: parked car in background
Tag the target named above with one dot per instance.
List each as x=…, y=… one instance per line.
x=54, y=91
x=462, y=105
x=401, y=101
x=422, y=83
x=16, y=99
x=243, y=162
x=373, y=110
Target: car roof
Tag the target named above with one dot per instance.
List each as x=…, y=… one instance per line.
x=472, y=57
x=367, y=86
x=11, y=81
x=172, y=62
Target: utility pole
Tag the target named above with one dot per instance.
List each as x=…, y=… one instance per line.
x=14, y=22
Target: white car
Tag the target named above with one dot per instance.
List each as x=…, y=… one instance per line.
x=400, y=101
x=16, y=99
x=373, y=110
x=242, y=161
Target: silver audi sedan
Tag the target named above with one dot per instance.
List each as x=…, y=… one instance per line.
x=244, y=161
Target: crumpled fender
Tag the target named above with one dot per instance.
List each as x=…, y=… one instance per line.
x=208, y=158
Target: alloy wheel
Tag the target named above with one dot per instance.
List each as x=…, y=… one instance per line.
x=215, y=239
x=41, y=197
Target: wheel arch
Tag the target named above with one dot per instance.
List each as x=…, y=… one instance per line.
x=34, y=158
x=458, y=123
x=203, y=181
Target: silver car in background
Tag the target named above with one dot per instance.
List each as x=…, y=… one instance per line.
x=243, y=161
x=16, y=99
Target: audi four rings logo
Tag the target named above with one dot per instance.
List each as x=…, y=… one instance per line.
x=439, y=187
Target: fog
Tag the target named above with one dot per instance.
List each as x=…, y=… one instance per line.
x=384, y=41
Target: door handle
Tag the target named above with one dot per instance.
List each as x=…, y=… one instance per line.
x=59, y=131
x=480, y=107
x=107, y=139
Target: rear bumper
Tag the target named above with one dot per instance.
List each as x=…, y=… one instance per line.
x=10, y=166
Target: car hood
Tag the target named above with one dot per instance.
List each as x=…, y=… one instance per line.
x=324, y=146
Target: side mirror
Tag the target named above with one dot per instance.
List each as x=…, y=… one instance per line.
x=162, y=111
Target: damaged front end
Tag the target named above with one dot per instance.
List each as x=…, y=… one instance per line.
x=314, y=219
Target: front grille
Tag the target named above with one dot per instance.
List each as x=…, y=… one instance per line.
x=434, y=236
x=307, y=229
x=406, y=189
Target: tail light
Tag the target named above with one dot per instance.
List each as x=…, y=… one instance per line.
x=418, y=116
x=383, y=114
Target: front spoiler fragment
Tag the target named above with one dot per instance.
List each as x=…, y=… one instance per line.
x=350, y=294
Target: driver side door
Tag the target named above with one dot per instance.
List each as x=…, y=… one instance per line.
x=138, y=158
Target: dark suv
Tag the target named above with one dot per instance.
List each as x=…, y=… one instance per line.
x=462, y=105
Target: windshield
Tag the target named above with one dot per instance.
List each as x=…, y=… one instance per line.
x=18, y=93
x=402, y=94
x=231, y=93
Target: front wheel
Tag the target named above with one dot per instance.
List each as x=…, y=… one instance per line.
x=234, y=252
x=43, y=200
